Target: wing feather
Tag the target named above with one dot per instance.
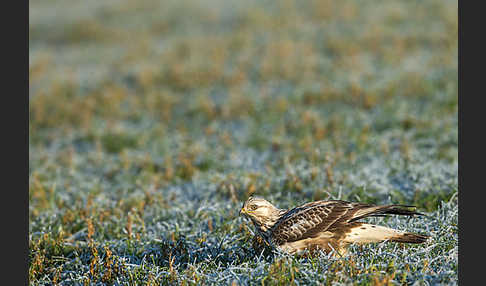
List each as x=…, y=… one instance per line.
x=336, y=216
x=308, y=220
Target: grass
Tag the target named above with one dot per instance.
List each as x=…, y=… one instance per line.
x=151, y=123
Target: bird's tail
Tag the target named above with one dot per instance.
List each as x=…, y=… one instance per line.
x=368, y=233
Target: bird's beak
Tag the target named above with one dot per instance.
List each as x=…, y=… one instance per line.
x=244, y=211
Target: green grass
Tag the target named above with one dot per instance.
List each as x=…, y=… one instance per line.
x=151, y=123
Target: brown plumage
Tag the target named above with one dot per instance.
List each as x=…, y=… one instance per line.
x=325, y=225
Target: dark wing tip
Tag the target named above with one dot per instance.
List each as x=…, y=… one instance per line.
x=383, y=211
x=401, y=210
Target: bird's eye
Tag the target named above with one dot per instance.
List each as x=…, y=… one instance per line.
x=253, y=207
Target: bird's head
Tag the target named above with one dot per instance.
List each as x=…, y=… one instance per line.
x=261, y=212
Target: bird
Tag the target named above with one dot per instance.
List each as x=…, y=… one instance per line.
x=326, y=225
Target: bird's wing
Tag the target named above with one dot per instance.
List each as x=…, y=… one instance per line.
x=338, y=217
x=311, y=219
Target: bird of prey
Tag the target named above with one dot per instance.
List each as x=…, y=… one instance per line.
x=324, y=225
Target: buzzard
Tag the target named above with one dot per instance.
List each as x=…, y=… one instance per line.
x=324, y=225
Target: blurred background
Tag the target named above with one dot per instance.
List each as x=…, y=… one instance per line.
x=276, y=88
x=138, y=108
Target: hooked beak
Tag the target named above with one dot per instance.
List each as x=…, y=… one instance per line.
x=244, y=211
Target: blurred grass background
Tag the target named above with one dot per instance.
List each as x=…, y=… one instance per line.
x=154, y=120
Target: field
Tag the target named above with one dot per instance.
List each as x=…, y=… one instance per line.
x=151, y=122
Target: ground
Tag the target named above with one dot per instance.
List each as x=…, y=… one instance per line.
x=151, y=122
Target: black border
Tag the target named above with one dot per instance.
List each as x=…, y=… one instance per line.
x=471, y=218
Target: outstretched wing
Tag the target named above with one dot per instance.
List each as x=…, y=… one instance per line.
x=312, y=219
